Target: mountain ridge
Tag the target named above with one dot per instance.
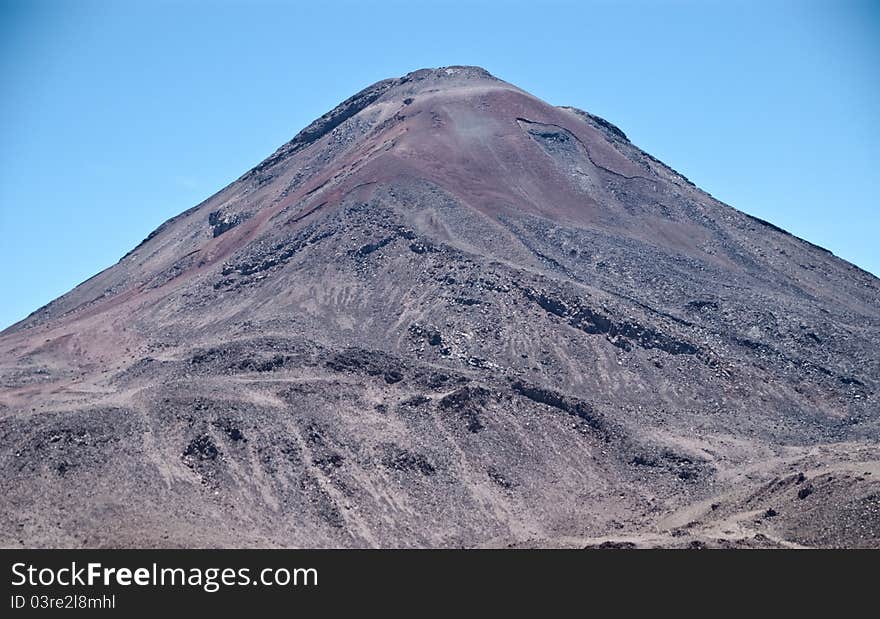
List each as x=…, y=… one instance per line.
x=356, y=103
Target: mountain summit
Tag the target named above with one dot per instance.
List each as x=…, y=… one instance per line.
x=448, y=313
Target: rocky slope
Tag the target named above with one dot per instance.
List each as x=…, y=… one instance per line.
x=448, y=313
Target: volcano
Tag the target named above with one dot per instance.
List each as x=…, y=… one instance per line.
x=450, y=314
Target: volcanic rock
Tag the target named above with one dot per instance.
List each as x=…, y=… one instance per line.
x=448, y=313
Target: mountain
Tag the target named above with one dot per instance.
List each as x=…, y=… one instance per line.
x=448, y=313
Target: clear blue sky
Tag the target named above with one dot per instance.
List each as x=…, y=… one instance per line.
x=115, y=116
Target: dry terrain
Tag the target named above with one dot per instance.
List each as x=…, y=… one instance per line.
x=450, y=314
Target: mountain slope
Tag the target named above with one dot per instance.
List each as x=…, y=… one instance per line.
x=447, y=313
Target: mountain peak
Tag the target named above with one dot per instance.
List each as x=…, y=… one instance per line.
x=453, y=72
x=447, y=301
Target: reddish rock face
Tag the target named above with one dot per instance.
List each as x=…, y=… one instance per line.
x=448, y=313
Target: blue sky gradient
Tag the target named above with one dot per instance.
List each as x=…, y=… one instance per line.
x=115, y=116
